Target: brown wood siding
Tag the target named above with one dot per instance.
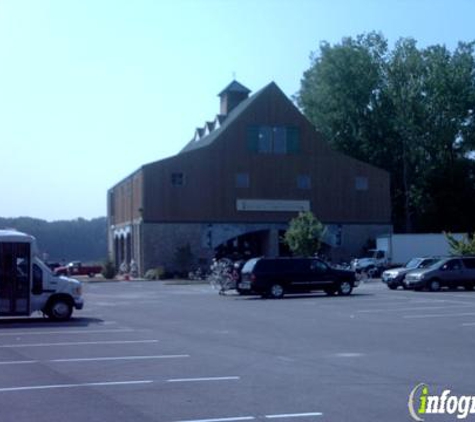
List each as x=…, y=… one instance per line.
x=209, y=193
x=127, y=198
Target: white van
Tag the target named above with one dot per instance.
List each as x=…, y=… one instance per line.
x=28, y=285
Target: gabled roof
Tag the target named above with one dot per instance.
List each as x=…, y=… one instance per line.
x=235, y=86
x=231, y=117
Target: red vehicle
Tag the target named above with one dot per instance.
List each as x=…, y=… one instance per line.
x=77, y=268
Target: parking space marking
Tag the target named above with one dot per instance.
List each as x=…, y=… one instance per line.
x=294, y=415
x=87, y=384
x=251, y=418
x=420, y=308
x=237, y=418
x=63, y=331
x=78, y=343
x=121, y=358
x=468, y=324
x=108, y=384
x=232, y=378
x=99, y=359
x=438, y=315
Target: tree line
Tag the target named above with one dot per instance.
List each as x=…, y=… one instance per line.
x=79, y=239
x=407, y=110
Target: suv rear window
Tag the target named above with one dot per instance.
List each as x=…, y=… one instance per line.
x=249, y=265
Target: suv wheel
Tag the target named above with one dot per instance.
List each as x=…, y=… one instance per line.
x=392, y=286
x=434, y=285
x=276, y=291
x=345, y=288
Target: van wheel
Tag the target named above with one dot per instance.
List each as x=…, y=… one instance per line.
x=434, y=285
x=276, y=291
x=392, y=286
x=60, y=310
x=345, y=288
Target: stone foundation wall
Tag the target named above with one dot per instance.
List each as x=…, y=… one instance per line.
x=159, y=242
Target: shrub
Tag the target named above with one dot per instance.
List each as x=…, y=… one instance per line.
x=108, y=270
x=155, y=273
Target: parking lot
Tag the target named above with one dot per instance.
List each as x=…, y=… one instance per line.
x=146, y=351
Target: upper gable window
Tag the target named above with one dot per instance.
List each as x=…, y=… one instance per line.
x=273, y=139
x=178, y=179
x=264, y=145
x=280, y=140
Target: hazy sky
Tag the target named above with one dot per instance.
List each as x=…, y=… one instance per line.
x=92, y=89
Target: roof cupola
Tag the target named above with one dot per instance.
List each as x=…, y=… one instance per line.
x=232, y=96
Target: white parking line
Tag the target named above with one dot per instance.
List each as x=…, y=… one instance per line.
x=88, y=384
x=63, y=331
x=106, y=384
x=237, y=418
x=468, y=324
x=419, y=308
x=77, y=343
x=204, y=379
x=294, y=415
x=438, y=315
x=121, y=358
x=22, y=362
x=250, y=418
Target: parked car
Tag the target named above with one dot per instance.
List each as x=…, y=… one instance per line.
x=448, y=272
x=274, y=277
x=394, y=277
x=76, y=268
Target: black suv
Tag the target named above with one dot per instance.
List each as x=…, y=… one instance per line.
x=273, y=277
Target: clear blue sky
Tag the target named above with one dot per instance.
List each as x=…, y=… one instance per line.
x=92, y=89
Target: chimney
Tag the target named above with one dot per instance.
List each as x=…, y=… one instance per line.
x=232, y=96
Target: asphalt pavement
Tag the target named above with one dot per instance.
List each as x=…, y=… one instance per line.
x=147, y=351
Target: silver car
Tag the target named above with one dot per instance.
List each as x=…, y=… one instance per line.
x=394, y=277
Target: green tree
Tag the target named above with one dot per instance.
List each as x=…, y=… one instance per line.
x=464, y=246
x=304, y=235
x=67, y=240
x=407, y=110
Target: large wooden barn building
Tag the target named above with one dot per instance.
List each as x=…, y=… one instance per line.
x=235, y=186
